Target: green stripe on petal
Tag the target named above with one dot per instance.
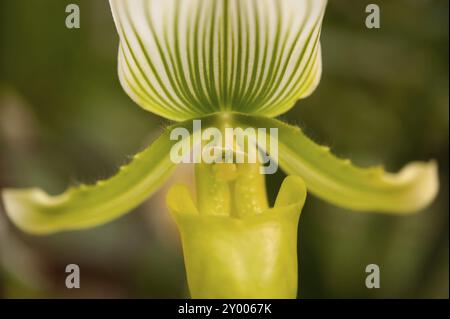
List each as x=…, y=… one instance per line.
x=344, y=184
x=183, y=59
x=36, y=212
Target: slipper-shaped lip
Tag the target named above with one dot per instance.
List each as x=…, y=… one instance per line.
x=254, y=256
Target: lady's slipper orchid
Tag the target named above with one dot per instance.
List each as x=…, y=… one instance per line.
x=234, y=63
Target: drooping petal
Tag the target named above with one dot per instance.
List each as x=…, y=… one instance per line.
x=187, y=58
x=36, y=212
x=344, y=184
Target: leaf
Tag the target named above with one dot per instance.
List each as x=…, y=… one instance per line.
x=186, y=59
x=36, y=212
x=344, y=184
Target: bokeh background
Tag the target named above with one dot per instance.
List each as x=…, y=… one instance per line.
x=64, y=119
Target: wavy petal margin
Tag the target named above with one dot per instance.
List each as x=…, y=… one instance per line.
x=344, y=184
x=36, y=212
x=183, y=59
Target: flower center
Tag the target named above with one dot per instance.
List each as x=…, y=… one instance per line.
x=228, y=189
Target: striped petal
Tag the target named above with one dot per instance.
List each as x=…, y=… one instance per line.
x=186, y=58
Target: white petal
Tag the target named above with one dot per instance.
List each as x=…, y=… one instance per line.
x=187, y=58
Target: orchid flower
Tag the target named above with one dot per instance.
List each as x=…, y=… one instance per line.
x=230, y=63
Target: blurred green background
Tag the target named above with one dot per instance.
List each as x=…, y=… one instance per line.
x=64, y=119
